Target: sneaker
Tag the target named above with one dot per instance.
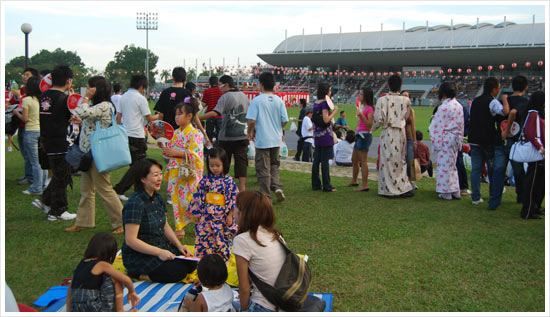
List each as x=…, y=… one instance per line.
x=10, y=149
x=465, y=192
x=24, y=181
x=40, y=205
x=280, y=195
x=47, y=182
x=477, y=202
x=27, y=192
x=122, y=198
x=445, y=196
x=64, y=216
x=503, y=189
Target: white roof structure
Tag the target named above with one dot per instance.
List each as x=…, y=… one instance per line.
x=484, y=37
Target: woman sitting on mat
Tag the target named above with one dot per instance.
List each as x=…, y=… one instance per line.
x=150, y=245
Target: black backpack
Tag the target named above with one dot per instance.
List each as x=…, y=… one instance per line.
x=318, y=121
x=291, y=286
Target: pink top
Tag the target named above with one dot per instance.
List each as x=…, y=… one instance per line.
x=530, y=129
x=366, y=110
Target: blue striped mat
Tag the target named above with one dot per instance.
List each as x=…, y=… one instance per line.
x=158, y=297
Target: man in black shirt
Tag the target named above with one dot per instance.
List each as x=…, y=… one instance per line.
x=170, y=97
x=518, y=110
x=54, y=121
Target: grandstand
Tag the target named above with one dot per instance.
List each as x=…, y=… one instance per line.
x=424, y=56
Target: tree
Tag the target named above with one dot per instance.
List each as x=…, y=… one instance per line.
x=46, y=60
x=191, y=75
x=131, y=61
x=165, y=75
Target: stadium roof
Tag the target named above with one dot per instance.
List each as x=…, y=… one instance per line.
x=460, y=44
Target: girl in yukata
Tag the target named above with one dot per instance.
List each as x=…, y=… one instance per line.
x=185, y=165
x=447, y=132
x=214, y=206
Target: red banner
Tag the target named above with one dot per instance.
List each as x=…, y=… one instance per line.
x=290, y=98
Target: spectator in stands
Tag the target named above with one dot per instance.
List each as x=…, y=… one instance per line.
x=446, y=132
x=390, y=114
x=486, y=143
x=171, y=96
x=422, y=153
x=54, y=121
x=307, y=134
x=341, y=123
x=363, y=138
x=343, y=150
x=210, y=98
x=266, y=118
x=518, y=112
x=134, y=113
x=323, y=138
x=303, y=105
x=410, y=130
x=115, y=98
x=232, y=136
x=533, y=193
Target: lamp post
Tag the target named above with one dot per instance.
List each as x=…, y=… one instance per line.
x=26, y=28
x=147, y=21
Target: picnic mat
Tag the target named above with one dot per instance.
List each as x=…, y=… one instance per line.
x=155, y=297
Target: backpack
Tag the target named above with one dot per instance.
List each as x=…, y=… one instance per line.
x=318, y=121
x=290, y=290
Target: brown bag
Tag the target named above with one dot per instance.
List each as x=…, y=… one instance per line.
x=417, y=170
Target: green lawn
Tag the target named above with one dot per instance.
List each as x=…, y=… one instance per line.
x=374, y=254
x=422, y=116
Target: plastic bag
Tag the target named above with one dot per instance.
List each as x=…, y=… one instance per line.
x=293, y=127
x=284, y=150
x=251, y=153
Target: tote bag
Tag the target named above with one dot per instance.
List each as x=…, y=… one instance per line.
x=523, y=150
x=110, y=148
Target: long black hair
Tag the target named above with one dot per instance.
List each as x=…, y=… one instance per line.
x=218, y=153
x=536, y=102
x=33, y=87
x=102, y=89
x=102, y=246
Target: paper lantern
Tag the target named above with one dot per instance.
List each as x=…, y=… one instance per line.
x=501, y=67
x=489, y=68
x=432, y=71
x=407, y=74
x=514, y=65
x=398, y=73
x=469, y=70
x=480, y=68
x=391, y=73
x=385, y=74
x=449, y=70
x=441, y=72
x=378, y=74
x=540, y=63
x=527, y=64
x=459, y=70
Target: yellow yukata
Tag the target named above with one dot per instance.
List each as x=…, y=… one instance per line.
x=184, y=174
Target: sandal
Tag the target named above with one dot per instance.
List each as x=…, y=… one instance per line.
x=118, y=230
x=353, y=184
x=74, y=228
x=366, y=189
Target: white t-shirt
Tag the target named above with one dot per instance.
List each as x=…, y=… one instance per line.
x=219, y=300
x=306, y=126
x=134, y=108
x=343, y=151
x=264, y=262
x=115, y=99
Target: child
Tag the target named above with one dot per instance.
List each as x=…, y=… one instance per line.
x=423, y=154
x=214, y=206
x=343, y=150
x=216, y=296
x=91, y=288
x=185, y=165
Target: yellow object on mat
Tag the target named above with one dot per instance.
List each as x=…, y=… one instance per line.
x=232, y=278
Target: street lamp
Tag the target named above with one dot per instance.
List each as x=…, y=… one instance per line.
x=26, y=28
x=147, y=21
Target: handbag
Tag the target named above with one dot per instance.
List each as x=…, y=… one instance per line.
x=523, y=151
x=77, y=159
x=186, y=170
x=110, y=148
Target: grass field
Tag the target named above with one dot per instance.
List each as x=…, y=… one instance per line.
x=374, y=254
x=422, y=117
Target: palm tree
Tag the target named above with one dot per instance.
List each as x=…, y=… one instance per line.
x=165, y=75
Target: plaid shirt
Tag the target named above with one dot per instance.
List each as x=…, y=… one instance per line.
x=150, y=214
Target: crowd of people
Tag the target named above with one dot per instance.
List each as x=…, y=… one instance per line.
x=227, y=218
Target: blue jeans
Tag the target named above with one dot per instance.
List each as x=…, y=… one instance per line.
x=478, y=156
x=496, y=181
x=321, y=156
x=21, y=141
x=30, y=146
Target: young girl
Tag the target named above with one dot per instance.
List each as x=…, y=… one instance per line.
x=92, y=287
x=216, y=296
x=214, y=206
x=185, y=165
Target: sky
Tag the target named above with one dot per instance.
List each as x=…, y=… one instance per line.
x=234, y=30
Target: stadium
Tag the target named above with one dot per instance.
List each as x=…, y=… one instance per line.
x=424, y=55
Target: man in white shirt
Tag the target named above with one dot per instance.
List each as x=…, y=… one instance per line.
x=307, y=135
x=115, y=98
x=134, y=113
